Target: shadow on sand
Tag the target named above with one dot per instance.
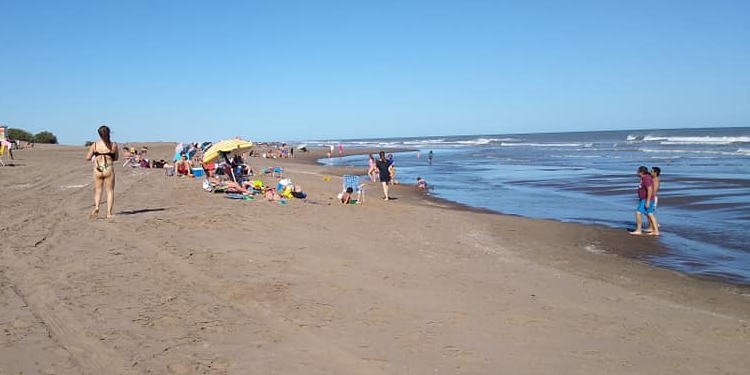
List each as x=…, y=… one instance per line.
x=141, y=211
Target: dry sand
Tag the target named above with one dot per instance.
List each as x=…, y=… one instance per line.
x=187, y=282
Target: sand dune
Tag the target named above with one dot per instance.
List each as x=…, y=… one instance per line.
x=187, y=282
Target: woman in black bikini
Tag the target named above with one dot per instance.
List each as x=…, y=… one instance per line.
x=104, y=153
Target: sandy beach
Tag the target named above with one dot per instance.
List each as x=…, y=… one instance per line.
x=183, y=281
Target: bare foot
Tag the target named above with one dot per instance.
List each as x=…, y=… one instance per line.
x=636, y=233
x=653, y=233
x=94, y=214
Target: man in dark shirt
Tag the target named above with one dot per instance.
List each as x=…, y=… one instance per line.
x=646, y=205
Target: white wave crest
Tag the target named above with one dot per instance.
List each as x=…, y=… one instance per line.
x=547, y=144
x=634, y=138
x=484, y=141
x=697, y=140
x=424, y=142
x=742, y=152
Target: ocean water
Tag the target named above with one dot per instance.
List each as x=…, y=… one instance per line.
x=590, y=177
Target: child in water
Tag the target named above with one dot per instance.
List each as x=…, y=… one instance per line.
x=421, y=183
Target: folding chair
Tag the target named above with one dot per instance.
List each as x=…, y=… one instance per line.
x=350, y=181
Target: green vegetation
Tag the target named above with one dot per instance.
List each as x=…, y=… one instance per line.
x=23, y=135
x=45, y=137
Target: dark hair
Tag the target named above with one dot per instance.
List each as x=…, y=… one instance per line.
x=656, y=170
x=104, y=135
x=382, y=155
x=642, y=169
x=349, y=190
x=183, y=154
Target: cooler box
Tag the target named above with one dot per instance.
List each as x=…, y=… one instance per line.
x=198, y=172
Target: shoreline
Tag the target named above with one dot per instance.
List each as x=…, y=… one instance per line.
x=184, y=281
x=620, y=248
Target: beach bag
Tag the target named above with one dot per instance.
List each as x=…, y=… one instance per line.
x=283, y=184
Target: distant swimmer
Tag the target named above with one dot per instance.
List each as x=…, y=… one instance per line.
x=103, y=153
x=430, y=156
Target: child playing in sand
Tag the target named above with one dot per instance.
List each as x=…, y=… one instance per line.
x=346, y=197
x=392, y=171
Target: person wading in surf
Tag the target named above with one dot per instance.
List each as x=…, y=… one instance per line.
x=645, y=203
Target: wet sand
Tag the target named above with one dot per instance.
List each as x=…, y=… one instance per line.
x=188, y=282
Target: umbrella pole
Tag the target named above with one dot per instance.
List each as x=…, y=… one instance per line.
x=231, y=169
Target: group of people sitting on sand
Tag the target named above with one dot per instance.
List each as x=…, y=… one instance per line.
x=138, y=158
x=276, y=151
x=284, y=190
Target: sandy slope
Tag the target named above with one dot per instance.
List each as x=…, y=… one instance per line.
x=188, y=282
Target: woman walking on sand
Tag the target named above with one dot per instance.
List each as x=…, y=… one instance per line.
x=103, y=153
x=384, y=171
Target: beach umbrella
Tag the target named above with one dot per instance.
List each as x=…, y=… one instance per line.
x=225, y=146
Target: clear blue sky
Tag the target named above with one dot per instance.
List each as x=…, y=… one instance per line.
x=182, y=70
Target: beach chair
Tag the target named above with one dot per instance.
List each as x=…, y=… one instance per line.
x=350, y=181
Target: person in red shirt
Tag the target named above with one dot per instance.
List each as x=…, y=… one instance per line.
x=646, y=204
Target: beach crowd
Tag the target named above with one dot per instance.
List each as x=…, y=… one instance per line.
x=230, y=173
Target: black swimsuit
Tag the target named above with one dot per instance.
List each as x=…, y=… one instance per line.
x=103, y=167
x=385, y=174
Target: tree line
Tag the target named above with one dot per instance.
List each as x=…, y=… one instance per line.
x=23, y=135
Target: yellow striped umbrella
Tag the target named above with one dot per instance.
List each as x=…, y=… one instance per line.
x=227, y=145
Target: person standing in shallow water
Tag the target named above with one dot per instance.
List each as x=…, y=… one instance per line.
x=655, y=173
x=104, y=154
x=645, y=203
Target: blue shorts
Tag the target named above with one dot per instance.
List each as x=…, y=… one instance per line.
x=642, y=207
